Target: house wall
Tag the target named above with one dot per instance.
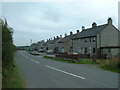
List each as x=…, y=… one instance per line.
x=79, y=45
x=60, y=47
x=109, y=38
x=76, y=45
x=110, y=52
x=65, y=46
x=50, y=46
x=68, y=46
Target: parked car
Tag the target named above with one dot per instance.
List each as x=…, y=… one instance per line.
x=34, y=53
x=41, y=50
x=50, y=52
x=72, y=53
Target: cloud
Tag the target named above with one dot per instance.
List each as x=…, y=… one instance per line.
x=48, y=19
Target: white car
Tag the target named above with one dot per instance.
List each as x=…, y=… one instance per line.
x=50, y=52
x=72, y=53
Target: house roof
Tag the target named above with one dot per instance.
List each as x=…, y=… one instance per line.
x=90, y=31
x=53, y=41
x=66, y=38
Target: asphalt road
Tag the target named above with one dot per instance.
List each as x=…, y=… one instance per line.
x=39, y=72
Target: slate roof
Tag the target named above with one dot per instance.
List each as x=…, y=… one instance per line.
x=66, y=39
x=90, y=31
x=53, y=41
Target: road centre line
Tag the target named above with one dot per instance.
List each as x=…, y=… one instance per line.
x=65, y=72
x=34, y=61
x=31, y=59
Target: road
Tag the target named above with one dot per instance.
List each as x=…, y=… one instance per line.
x=39, y=72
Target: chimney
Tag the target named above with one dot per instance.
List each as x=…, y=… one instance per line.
x=57, y=37
x=60, y=36
x=71, y=33
x=83, y=28
x=94, y=25
x=109, y=21
x=65, y=34
x=77, y=31
x=54, y=37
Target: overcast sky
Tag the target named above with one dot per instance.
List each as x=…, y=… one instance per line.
x=43, y=20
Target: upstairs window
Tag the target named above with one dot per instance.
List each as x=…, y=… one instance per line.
x=90, y=39
x=79, y=40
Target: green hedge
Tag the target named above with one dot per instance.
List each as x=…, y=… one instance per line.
x=10, y=72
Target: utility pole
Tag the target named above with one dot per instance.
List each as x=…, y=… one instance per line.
x=31, y=41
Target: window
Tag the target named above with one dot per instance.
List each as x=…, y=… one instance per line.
x=85, y=50
x=85, y=39
x=109, y=50
x=79, y=49
x=94, y=39
x=90, y=39
x=93, y=50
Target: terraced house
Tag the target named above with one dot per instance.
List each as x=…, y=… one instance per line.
x=65, y=44
x=53, y=44
x=102, y=39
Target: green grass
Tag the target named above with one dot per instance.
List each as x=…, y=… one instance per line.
x=106, y=64
x=12, y=78
x=79, y=61
x=112, y=65
x=59, y=59
x=87, y=61
x=110, y=68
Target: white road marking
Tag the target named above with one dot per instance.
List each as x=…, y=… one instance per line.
x=65, y=72
x=34, y=61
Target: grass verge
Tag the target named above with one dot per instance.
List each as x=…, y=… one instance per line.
x=79, y=61
x=106, y=64
x=12, y=78
x=112, y=65
x=59, y=59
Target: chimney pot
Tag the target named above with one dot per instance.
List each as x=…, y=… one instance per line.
x=65, y=34
x=109, y=21
x=94, y=25
x=71, y=33
x=60, y=36
x=77, y=31
x=83, y=27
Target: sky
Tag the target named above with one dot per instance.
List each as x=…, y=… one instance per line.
x=43, y=20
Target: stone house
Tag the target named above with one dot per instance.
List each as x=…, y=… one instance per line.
x=65, y=44
x=40, y=45
x=48, y=44
x=53, y=44
x=33, y=46
x=102, y=39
